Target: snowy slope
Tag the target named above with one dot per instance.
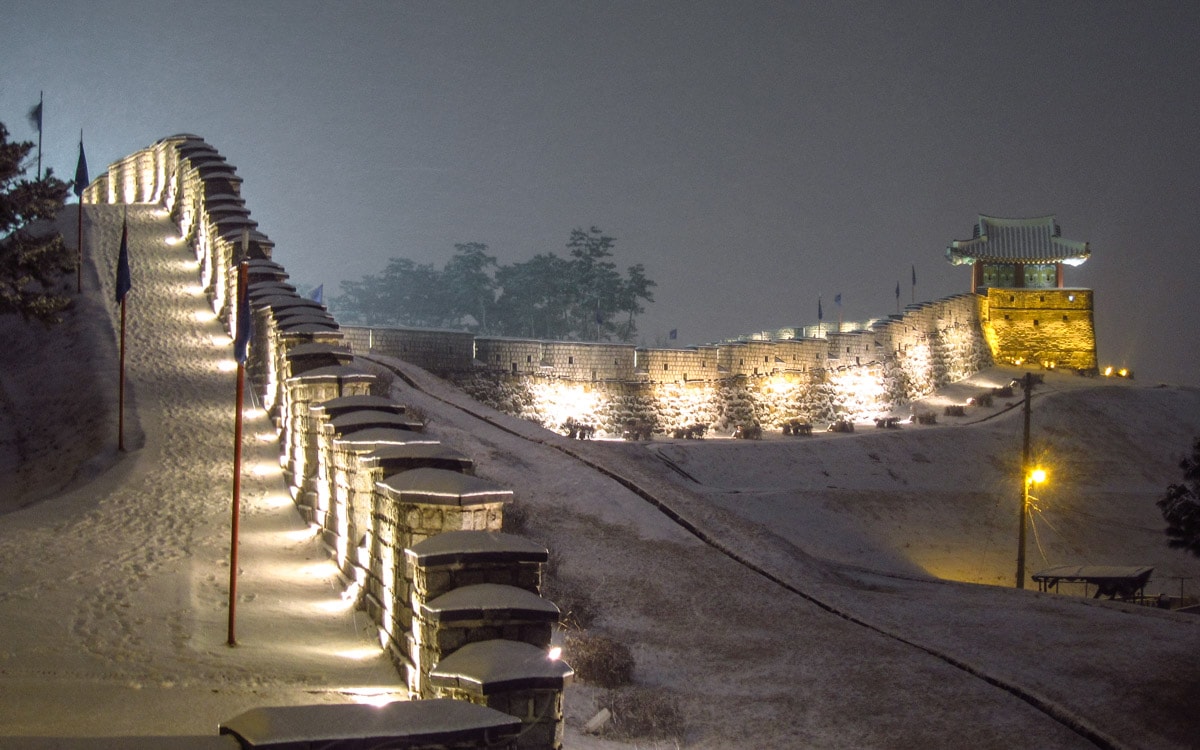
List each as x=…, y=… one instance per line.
x=785, y=594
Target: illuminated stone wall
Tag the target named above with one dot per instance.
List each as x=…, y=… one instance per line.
x=297, y=361
x=856, y=375
x=701, y=363
x=1047, y=327
x=424, y=347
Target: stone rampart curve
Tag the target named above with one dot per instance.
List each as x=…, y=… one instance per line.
x=343, y=446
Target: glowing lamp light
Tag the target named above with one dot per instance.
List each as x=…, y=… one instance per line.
x=267, y=469
x=1108, y=371
x=555, y=653
x=372, y=697
x=361, y=653
x=1037, y=476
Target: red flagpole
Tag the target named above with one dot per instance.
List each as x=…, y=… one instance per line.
x=121, y=386
x=79, y=270
x=237, y=466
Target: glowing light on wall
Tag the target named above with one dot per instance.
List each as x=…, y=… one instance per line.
x=377, y=697
x=557, y=402
x=362, y=653
x=264, y=469
x=860, y=392
x=276, y=500
x=388, y=568
x=203, y=316
x=227, y=365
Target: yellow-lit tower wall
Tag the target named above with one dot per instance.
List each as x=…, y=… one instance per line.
x=1029, y=316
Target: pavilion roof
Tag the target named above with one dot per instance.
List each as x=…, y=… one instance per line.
x=1033, y=240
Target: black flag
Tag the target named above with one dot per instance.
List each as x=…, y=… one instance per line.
x=35, y=117
x=81, y=171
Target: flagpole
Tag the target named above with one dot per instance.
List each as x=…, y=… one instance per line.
x=121, y=386
x=41, y=119
x=79, y=270
x=124, y=284
x=81, y=179
x=243, y=268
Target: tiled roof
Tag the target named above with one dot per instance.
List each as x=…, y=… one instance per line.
x=1034, y=240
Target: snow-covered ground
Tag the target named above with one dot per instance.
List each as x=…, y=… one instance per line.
x=788, y=592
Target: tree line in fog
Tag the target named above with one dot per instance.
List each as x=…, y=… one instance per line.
x=580, y=297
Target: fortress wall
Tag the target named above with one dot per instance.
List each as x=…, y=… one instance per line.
x=1050, y=327
x=434, y=350
x=514, y=356
x=588, y=361
x=678, y=365
x=186, y=178
x=856, y=375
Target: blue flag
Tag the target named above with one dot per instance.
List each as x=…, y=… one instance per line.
x=318, y=294
x=837, y=299
x=124, y=280
x=673, y=334
x=245, y=327
x=81, y=172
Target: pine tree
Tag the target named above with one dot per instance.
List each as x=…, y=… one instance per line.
x=33, y=257
x=1181, y=506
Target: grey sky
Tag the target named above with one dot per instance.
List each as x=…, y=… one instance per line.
x=752, y=155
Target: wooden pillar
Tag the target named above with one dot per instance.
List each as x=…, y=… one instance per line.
x=1058, y=275
x=976, y=276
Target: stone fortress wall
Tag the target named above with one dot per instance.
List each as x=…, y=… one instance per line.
x=415, y=535
x=811, y=374
x=769, y=378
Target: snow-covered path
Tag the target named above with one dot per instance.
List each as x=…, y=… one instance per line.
x=113, y=597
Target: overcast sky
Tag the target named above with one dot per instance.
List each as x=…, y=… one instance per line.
x=752, y=155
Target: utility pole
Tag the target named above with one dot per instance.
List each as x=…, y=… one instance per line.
x=1027, y=382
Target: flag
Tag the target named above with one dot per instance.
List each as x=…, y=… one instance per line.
x=897, y=290
x=914, y=270
x=35, y=117
x=674, y=334
x=837, y=300
x=81, y=172
x=820, y=312
x=318, y=295
x=245, y=326
x=124, y=280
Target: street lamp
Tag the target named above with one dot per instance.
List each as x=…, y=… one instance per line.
x=1034, y=476
x=1029, y=475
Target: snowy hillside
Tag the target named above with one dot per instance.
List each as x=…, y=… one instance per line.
x=785, y=592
